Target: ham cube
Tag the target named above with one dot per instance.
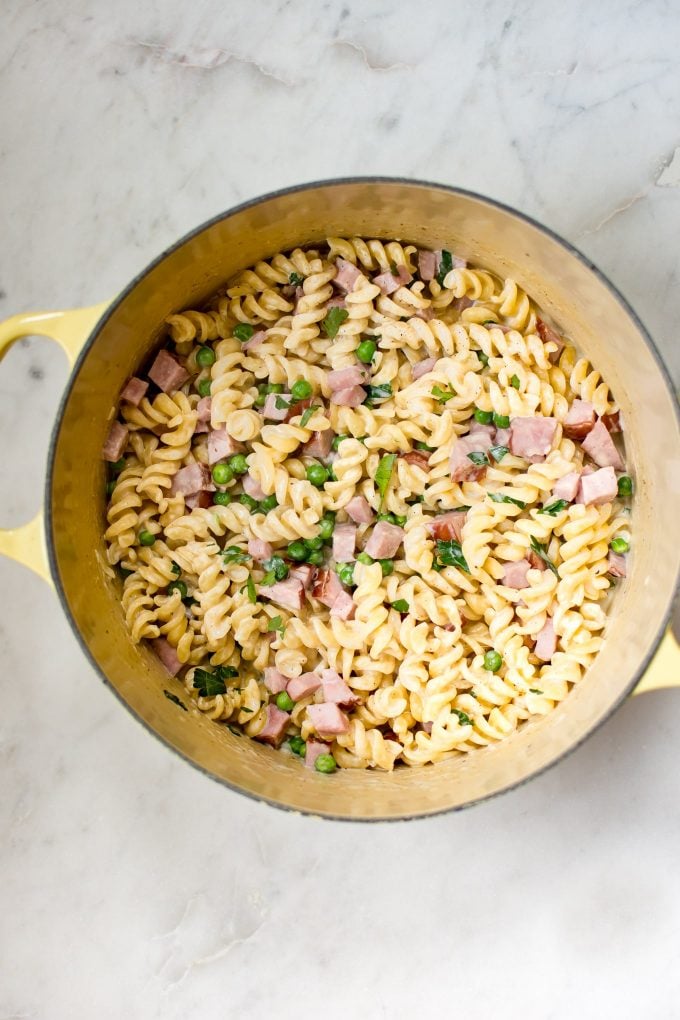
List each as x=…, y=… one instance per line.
x=335, y=690
x=346, y=276
x=255, y=340
x=202, y=499
x=259, y=549
x=502, y=438
x=204, y=409
x=616, y=564
x=579, y=420
x=535, y=561
x=612, y=422
x=167, y=654
x=351, y=396
x=134, y=391
x=449, y=526
x=566, y=487
x=252, y=487
x=549, y=336
x=190, y=479
x=289, y=593
x=389, y=282
x=167, y=372
x=532, y=437
x=597, y=487
x=343, y=607
x=599, y=446
x=274, y=727
x=477, y=429
x=314, y=749
x=304, y=572
x=427, y=265
x=546, y=642
x=345, y=378
x=273, y=412
x=344, y=542
x=327, y=719
x=418, y=458
x=336, y=302
x=115, y=442
x=384, y=541
x=319, y=446
x=359, y=510
x=515, y=574
x=461, y=467
x=421, y=368
x=221, y=445
x=327, y=587
x=274, y=681
x=302, y=686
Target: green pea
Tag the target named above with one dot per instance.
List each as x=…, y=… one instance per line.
x=625, y=486
x=317, y=474
x=492, y=661
x=275, y=387
x=483, y=417
x=399, y=520
x=261, y=398
x=243, y=331
x=345, y=572
x=285, y=702
x=301, y=389
x=204, y=386
x=620, y=545
x=501, y=421
x=326, y=527
x=366, y=351
x=335, y=445
x=364, y=558
x=314, y=543
x=325, y=763
x=110, y=486
x=297, y=746
x=387, y=567
x=248, y=501
x=146, y=538
x=268, y=503
x=179, y=586
x=484, y=358
x=238, y=464
x=118, y=466
x=298, y=550
x=205, y=357
x=222, y=474
x=390, y=518
x=221, y=498
x=315, y=558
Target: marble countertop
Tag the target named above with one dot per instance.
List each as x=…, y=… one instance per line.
x=134, y=887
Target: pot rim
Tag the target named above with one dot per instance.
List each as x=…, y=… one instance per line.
x=111, y=310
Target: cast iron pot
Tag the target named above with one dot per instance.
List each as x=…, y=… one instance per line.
x=106, y=343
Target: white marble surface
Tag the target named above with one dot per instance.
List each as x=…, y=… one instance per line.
x=131, y=885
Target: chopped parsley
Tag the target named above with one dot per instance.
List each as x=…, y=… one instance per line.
x=176, y=569
x=445, y=266
x=498, y=452
x=295, y=279
x=276, y=624
x=384, y=474
x=380, y=392
x=282, y=404
x=276, y=570
x=514, y=381
x=540, y=550
x=554, y=508
x=250, y=588
x=232, y=554
x=333, y=321
x=463, y=718
x=175, y=700
x=309, y=414
x=478, y=457
x=497, y=497
x=450, y=554
x=442, y=395
x=535, y=690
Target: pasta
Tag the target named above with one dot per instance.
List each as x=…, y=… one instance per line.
x=374, y=508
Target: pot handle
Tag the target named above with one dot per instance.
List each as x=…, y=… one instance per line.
x=70, y=329
x=664, y=669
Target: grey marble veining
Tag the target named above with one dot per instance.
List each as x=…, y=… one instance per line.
x=131, y=885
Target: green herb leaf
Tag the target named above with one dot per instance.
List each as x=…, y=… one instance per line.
x=226, y=672
x=175, y=700
x=496, y=497
x=442, y=395
x=484, y=358
x=514, y=381
x=176, y=569
x=540, y=550
x=463, y=718
x=277, y=568
x=450, y=554
x=535, y=690
x=234, y=730
x=282, y=404
x=380, y=392
x=250, y=588
x=276, y=624
x=244, y=709
x=295, y=279
x=243, y=331
x=232, y=554
x=333, y=321
x=478, y=457
x=554, y=508
x=498, y=452
x=401, y=605
x=309, y=413
x=384, y=474
x=208, y=684
x=445, y=266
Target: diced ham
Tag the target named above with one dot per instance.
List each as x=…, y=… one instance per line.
x=167, y=654
x=612, y=422
x=327, y=719
x=303, y=572
x=335, y=690
x=343, y=607
x=404, y=276
x=449, y=526
x=336, y=302
x=259, y=549
x=389, y=282
x=515, y=574
x=134, y=391
x=427, y=265
x=597, y=487
x=327, y=587
x=421, y=368
x=535, y=561
x=314, y=749
x=616, y=564
x=221, y=445
x=252, y=487
x=274, y=681
x=353, y=396
x=502, y=438
x=546, y=642
x=115, y=442
x=579, y=420
x=346, y=276
x=319, y=445
x=359, y=510
x=462, y=303
x=548, y=335
x=599, y=446
x=299, y=407
x=270, y=410
x=201, y=499
x=566, y=487
x=167, y=372
x=302, y=686
x=345, y=378
x=426, y=314
x=417, y=458
x=477, y=429
x=384, y=541
x=289, y=593
x=532, y=437
x=201, y=426
x=461, y=467
x=190, y=479
x=204, y=408
x=344, y=542
x=274, y=727
x=255, y=340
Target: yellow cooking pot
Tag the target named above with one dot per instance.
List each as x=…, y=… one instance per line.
x=107, y=343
